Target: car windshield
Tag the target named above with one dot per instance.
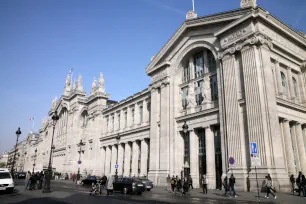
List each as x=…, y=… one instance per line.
x=5, y=175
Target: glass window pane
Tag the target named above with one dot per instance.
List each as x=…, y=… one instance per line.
x=211, y=62
x=199, y=65
x=295, y=86
x=284, y=83
x=214, y=87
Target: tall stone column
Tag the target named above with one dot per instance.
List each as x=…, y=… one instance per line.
x=300, y=146
x=145, y=112
x=108, y=161
x=194, y=158
x=210, y=158
x=278, y=78
x=102, y=161
x=144, y=158
x=120, y=159
x=154, y=136
x=114, y=158
x=164, y=150
x=136, y=115
x=135, y=157
x=291, y=88
x=288, y=147
x=127, y=159
x=231, y=109
x=302, y=88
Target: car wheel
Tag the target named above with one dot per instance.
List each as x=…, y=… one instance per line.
x=139, y=193
x=10, y=190
x=125, y=190
x=148, y=189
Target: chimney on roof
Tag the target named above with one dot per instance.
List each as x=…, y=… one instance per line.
x=247, y=3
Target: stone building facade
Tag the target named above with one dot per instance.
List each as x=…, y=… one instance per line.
x=233, y=77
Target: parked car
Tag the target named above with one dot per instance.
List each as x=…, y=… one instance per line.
x=89, y=180
x=21, y=175
x=129, y=185
x=147, y=183
x=6, y=181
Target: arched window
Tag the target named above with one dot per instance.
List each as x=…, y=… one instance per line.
x=84, y=119
x=284, y=83
x=211, y=62
x=295, y=87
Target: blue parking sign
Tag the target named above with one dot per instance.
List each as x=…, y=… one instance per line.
x=254, y=149
x=116, y=166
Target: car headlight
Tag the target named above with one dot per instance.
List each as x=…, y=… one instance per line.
x=11, y=185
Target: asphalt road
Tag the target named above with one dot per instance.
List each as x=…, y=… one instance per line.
x=67, y=192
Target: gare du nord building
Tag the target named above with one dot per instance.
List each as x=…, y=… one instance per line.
x=220, y=82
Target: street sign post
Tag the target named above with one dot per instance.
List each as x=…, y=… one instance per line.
x=116, y=166
x=255, y=161
x=231, y=161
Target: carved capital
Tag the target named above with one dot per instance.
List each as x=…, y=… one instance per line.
x=285, y=120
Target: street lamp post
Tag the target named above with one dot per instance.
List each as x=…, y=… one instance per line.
x=79, y=162
x=25, y=154
x=117, y=139
x=34, y=161
x=47, y=187
x=185, y=132
x=18, y=162
x=18, y=133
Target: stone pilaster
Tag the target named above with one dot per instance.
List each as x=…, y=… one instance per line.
x=278, y=78
x=120, y=159
x=288, y=147
x=302, y=88
x=164, y=133
x=127, y=159
x=210, y=158
x=300, y=146
x=231, y=109
x=114, y=159
x=154, y=136
x=194, y=158
x=135, y=156
x=146, y=112
x=144, y=158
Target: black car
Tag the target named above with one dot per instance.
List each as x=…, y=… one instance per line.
x=129, y=185
x=21, y=175
x=89, y=180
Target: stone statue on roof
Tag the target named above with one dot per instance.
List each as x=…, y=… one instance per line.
x=74, y=84
x=101, y=83
x=80, y=83
x=94, y=85
x=206, y=92
x=54, y=101
x=248, y=3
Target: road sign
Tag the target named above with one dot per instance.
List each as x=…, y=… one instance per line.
x=79, y=162
x=254, y=149
x=255, y=160
x=116, y=166
x=231, y=161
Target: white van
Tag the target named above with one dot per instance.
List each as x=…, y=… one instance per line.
x=6, y=181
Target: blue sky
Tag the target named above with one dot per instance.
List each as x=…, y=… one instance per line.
x=41, y=40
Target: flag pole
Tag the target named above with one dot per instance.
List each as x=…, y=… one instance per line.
x=193, y=5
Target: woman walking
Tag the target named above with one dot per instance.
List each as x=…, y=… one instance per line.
x=109, y=185
x=268, y=184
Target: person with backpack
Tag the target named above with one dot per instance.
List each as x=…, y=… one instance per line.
x=232, y=182
x=204, y=184
x=299, y=182
x=268, y=184
x=172, y=182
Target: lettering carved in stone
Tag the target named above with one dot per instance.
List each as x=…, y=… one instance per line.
x=159, y=76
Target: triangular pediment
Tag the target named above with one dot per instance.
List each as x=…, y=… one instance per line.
x=223, y=17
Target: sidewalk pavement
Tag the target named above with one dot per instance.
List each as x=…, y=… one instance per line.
x=241, y=196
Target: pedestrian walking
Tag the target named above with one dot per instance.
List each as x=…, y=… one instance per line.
x=268, y=184
x=109, y=185
x=225, y=185
x=292, y=181
x=27, y=180
x=204, y=184
x=299, y=183
x=232, y=182
x=168, y=187
x=190, y=182
x=172, y=182
x=179, y=185
x=186, y=187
